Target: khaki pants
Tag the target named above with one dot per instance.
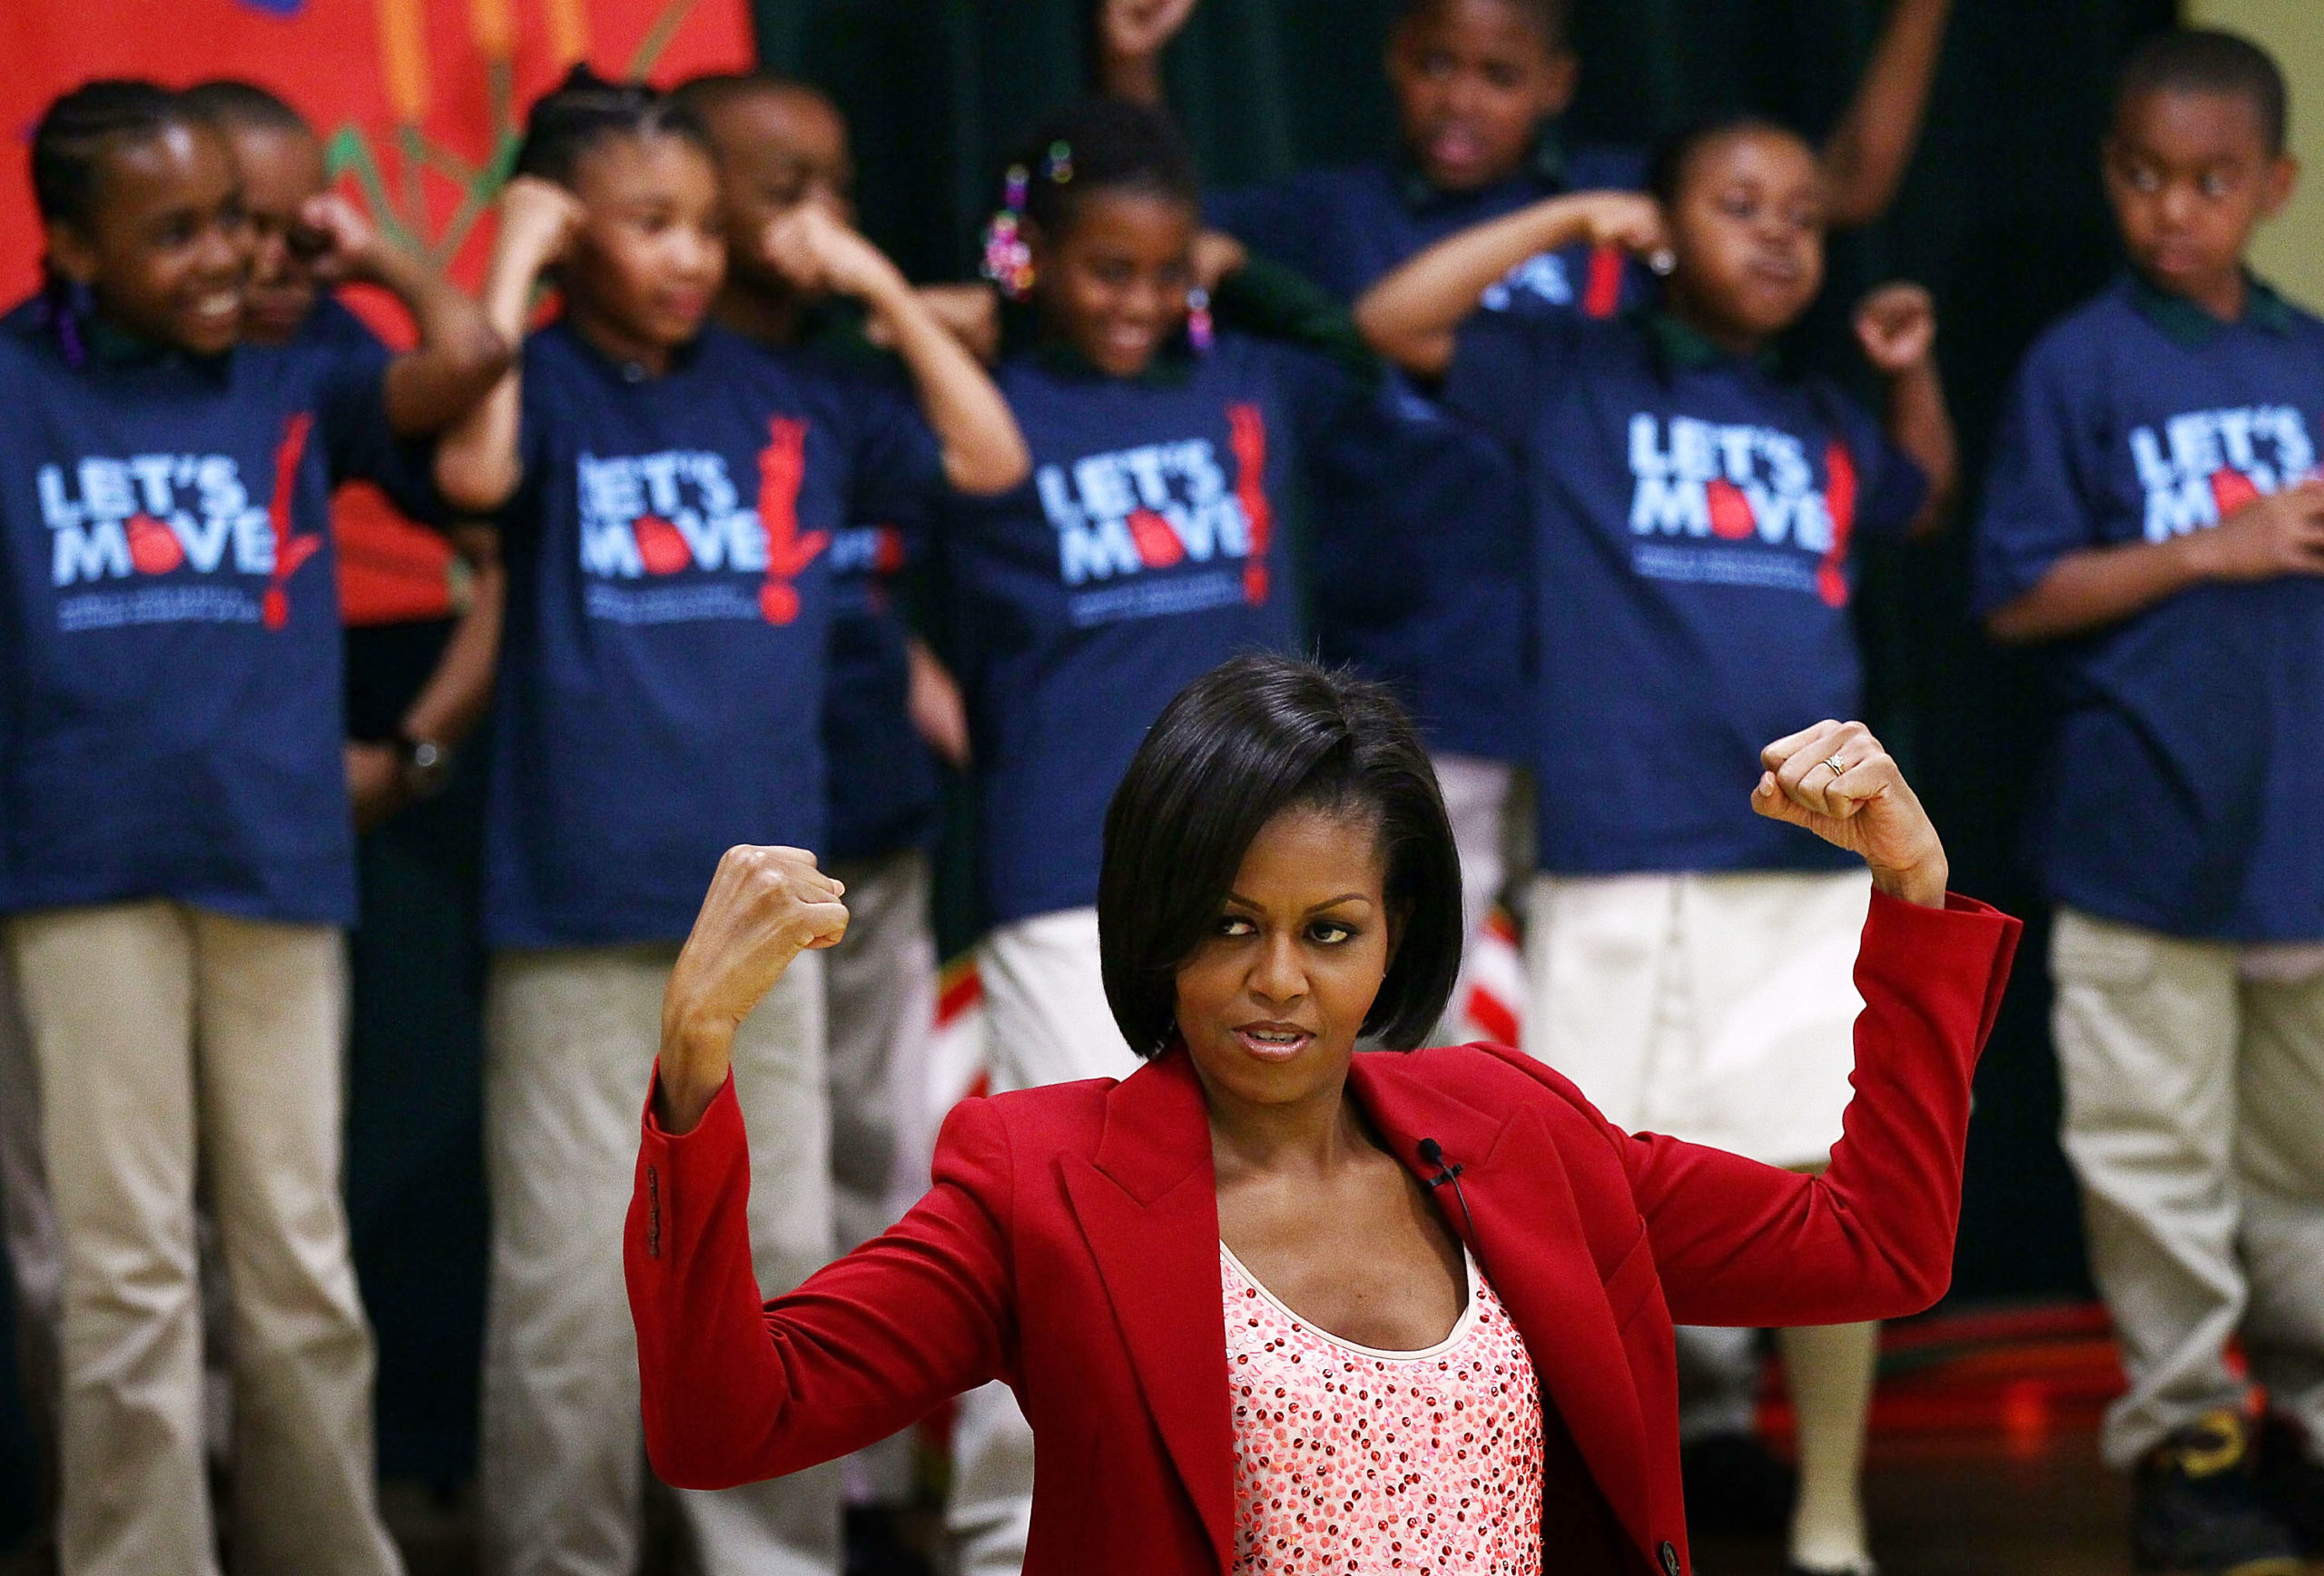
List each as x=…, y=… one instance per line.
x=2194, y=1118
x=880, y=986
x=570, y=1037
x=1046, y=1021
x=166, y=1038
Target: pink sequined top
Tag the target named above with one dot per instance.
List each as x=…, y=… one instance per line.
x=1348, y=1459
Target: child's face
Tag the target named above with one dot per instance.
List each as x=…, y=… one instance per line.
x=1474, y=80
x=167, y=249
x=281, y=169
x=1114, y=284
x=777, y=147
x=652, y=251
x=1748, y=232
x=2190, y=177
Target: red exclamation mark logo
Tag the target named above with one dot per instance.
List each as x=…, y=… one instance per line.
x=1247, y=434
x=290, y=551
x=782, y=466
x=1839, y=501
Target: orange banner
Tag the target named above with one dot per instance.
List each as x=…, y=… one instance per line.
x=417, y=100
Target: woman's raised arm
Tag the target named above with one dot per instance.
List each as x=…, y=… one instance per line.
x=1739, y=1243
x=735, y=1389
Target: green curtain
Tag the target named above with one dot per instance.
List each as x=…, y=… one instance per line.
x=2000, y=216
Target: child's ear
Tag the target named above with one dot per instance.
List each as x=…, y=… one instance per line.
x=71, y=252
x=2277, y=184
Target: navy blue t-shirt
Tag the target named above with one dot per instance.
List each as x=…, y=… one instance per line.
x=2183, y=789
x=887, y=790
x=169, y=690
x=662, y=674
x=1147, y=548
x=1418, y=559
x=1692, y=516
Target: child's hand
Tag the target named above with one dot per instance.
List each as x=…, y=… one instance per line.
x=540, y=218
x=1215, y=255
x=1896, y=325
x=2279, y=535
x=335, y=239
x=1137, y=29
x=818, y=254
x=1623, y=219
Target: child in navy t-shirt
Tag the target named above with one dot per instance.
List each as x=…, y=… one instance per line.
x=1145, y=547
x=1693, y=511
x=1419, y=569
x=667, y=492
x=2153, y=513
x=176, y=857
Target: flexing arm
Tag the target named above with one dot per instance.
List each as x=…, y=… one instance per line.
x=459, y=358
x=2096, y=586
x=733, y=1390
x=1896, y=325
x=1411, y=316
x=1865, y=155
x=477, y=464
x=1735, y=1242
x=983, y=451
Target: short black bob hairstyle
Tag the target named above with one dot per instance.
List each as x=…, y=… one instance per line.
x=1248, y=740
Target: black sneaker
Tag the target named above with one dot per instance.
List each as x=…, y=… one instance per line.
x=2196, y=1512
x=2291, y=1483
x=1735, y=1486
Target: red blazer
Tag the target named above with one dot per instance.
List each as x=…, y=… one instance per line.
x=1070, y=1247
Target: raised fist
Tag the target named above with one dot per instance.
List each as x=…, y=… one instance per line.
x=1896, y=325
x=1835, y=780
x=765, y=906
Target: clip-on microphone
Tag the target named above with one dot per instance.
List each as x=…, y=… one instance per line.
x=1431, y=1153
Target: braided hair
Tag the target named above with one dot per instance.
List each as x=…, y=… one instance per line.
x=82, y=127
x=233, y=104
x=586, y=110
x=1104, y=144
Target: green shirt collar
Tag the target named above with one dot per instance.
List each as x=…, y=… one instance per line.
x=1020, y=331
x=2187, y=324
x=1685, y=349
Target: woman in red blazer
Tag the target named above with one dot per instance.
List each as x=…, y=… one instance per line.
x=1279, y=881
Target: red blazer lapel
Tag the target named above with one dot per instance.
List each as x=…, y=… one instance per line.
x=1529, y=1241
x=1148, y=1209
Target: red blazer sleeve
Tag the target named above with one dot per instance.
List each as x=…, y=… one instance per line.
x=1739, y=1243
x=735, y=1390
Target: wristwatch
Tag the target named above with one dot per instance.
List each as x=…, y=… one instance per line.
x=426, y=765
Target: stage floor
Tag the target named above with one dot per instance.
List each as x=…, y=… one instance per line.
x=1984, y=1461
